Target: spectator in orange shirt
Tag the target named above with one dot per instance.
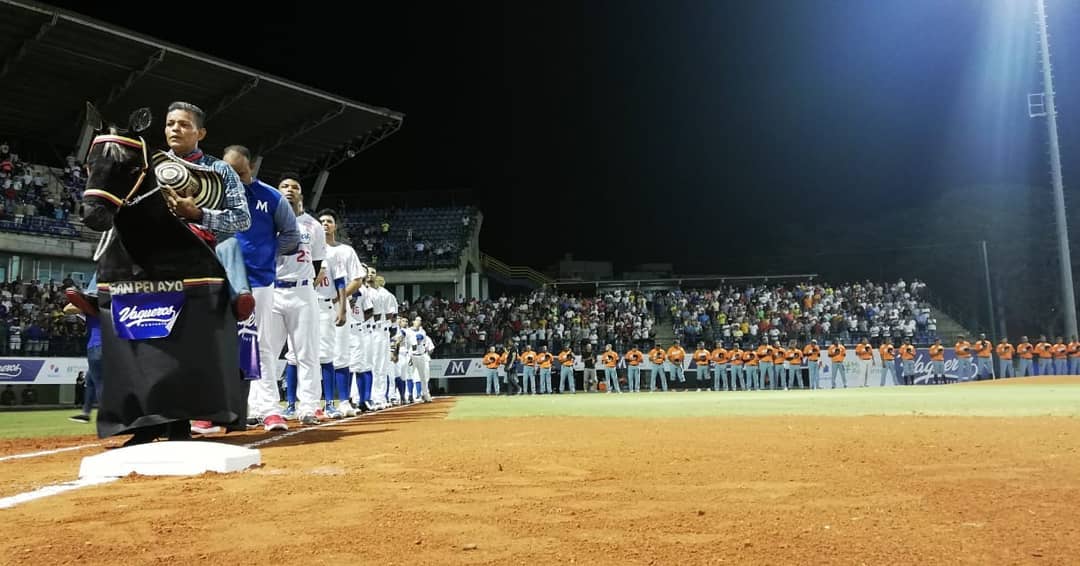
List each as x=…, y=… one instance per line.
x=611, y=376
x=738, y=379
x=491, y=362
x=719, y=358
x=544, y=360
x=907, y=361
x=566, y=370
x=837, y=353
x=1045, y=351
x=937, y=361
x=1026, y=352
x=675, y=357
x=962, y=350
x=1074, y=356
x=701, y=361
x=865, y=352
x=812, y=354
x=657, y=357
x=1061, y=357
x=1005, y=354
x=984, y=357
x=633, y=369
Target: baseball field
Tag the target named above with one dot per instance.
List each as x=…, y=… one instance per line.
x=979, y=473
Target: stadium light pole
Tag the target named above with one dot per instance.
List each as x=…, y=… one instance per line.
x=1068, y=297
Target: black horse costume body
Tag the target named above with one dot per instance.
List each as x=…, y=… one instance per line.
x=156, y=277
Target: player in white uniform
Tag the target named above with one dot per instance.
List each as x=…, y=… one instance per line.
x=296, y=305
x=330, y=288
x=420, y=347
x=361, y=363
x=385, y=312
x=348, y=277
x=400, y=361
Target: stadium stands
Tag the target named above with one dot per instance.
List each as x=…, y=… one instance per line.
x=32, y=322
x=802, y=311
x=36, y=198
x=410, y=238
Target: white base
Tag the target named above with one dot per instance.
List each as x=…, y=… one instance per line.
x=176, y=458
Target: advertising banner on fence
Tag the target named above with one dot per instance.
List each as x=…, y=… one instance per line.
x=954, y=369
x=41, y=371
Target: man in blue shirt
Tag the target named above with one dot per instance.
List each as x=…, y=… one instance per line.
x=272, y=232
x=94, y=380
x=184, y=129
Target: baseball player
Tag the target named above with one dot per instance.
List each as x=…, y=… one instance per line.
x=491, y=362
x=611, y=377
x=1026, y=352
x=385, y=311
x=837, y=353
x=812, y=355
x=675, y=356
x=702, y=358
x=273, y=233
x=633, y=369
x=865, y=352
x=888, y=362
x=1005, y=352
x=738, y=379
x=528, y=358
x=361, y=363
x=296, y=314
x=566, y=370
x=657, y=357
x=420, y=346
x=544, y=359
x=400, y=362
x=984, y=357
x=719, y=358
x=793, y=361
x=907, y=361
x=348, y=277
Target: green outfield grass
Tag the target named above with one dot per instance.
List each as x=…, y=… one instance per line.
x=34, y=424
x=1019, y=400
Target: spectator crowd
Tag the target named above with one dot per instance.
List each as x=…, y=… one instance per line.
x=29, y=192
x=728, y=314
x=32, y=321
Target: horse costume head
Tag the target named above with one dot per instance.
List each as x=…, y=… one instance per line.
x=118, y=167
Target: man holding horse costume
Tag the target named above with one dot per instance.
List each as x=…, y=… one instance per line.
x=184, y=129
x=169, y=338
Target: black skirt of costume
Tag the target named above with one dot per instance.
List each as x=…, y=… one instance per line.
x=192, y=374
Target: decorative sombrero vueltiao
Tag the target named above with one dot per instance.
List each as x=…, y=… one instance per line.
x=189, y=180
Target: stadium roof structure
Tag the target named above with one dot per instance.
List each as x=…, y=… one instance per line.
x=53, y=61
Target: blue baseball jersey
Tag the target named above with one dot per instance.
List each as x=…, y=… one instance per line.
x=273, y=231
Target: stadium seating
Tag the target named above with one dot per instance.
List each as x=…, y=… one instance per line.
x=417, y=238
x=38, y=199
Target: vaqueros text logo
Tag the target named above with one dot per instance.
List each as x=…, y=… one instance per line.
x=457, y=367
x=134, y=316
x=142, y=316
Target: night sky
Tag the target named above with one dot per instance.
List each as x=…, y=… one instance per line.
x=692, y=132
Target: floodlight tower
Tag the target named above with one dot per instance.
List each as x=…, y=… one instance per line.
x=1042, y=104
